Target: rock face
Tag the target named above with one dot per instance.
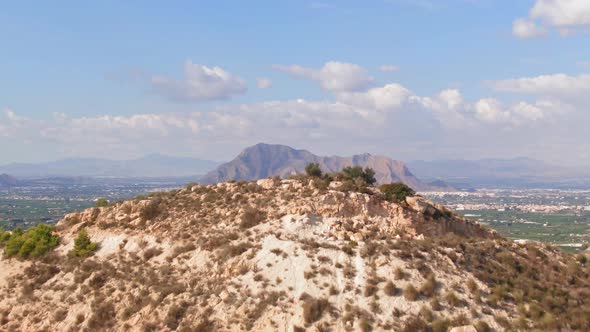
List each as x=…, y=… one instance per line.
x=266, y=160
x=271, y=255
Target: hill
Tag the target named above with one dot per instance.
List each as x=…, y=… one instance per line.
x=288, y=255
x=149, y=166
x=267, y=160
x=7, y=181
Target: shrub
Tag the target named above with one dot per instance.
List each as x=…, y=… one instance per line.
x=396, y=192
x=414, y=323
x=410, y=293
x=151, y=210
x=35, y=242
x=472, y=286
x=357, y=172
x=313, y=309
x=452, y=299
x=4, y=236
x=482, y=326
x=429, y=287
x=390, y=288
x=441, y=325
x=251, y=218
x=314, y=170
x=426, y=313
x=102, y=202
x=399, y=274
x=83, y=247
x=175, y=315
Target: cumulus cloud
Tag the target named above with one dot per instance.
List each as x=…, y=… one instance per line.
x=561, y=14
x=560, y=85
x=263, y=83
x=388, y=68
x=333, y=76
x=388, y=97
x=200, y=83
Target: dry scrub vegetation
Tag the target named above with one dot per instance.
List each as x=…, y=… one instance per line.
x=304, y=254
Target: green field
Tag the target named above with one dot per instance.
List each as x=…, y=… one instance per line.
x=25, y=213
x=560, y=229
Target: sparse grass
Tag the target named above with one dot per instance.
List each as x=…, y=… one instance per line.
x=251, y=217
x=313, y=309
x=390, y=289
x=411, y=293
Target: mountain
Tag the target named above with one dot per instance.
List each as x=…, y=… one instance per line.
x=7, y=181
x=285, y=255
x=460, y=168
x=149, y=166
x=266, y=160
x=517, y=172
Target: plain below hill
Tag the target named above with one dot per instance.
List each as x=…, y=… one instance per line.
x=267, y=160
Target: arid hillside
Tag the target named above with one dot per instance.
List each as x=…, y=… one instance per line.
x=288, y=255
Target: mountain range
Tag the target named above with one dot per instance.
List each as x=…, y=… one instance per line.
x=7, y=181
x=516, y=172
x=154, y=165
x=267, y=160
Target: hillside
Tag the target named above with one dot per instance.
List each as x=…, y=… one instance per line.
x=265, y=160
x=289, y=255
x=149, y=166
x=7, y=181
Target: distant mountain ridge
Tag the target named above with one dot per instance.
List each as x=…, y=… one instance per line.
x=149, y=166
x=460, y=168
x=7, y=181
x=266, y=160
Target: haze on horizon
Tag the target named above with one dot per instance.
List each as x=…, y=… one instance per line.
x=449, y=79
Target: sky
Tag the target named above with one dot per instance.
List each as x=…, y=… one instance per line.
x=409, y=79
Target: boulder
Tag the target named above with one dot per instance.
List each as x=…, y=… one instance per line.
x=266, y=183
x=421, y=205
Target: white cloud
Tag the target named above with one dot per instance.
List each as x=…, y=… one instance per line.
x=333, y=76
x=388, y=97
x=562, y=13
x=388, y=68
x=565, y=15
x=490, y=110
x=263, y=83
x=554, y=85
x=524, y=28
x=200, y=83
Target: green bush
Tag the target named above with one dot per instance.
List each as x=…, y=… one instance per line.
x=357, y=172
x=35, y=242
x=396, y=192
x=4, y=236
x=102, y=202
x=82, y=245
x=313, y=169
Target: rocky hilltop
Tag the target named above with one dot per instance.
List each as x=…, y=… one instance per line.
x=266, y=160
x=289, y=255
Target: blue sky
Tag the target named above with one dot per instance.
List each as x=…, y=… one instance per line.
x=112, y=78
